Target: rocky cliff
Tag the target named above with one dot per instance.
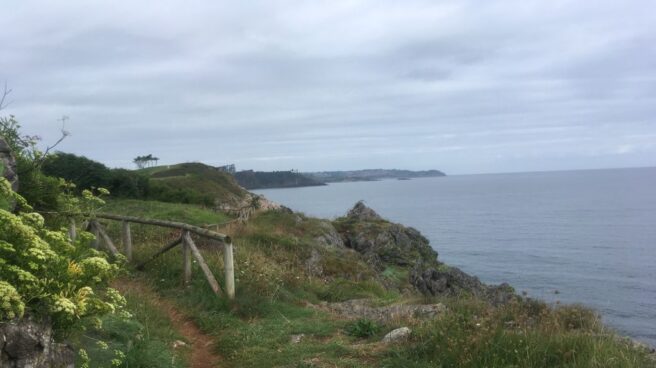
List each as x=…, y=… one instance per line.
x=385, y=244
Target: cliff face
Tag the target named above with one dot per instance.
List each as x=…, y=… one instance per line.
x=384, y=244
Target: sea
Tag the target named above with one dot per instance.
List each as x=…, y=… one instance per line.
x=586, y=237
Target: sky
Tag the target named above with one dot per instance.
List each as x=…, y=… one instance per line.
x=462, y=86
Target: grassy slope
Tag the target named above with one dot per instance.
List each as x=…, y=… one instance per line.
x=200, y=178
x=273, y=289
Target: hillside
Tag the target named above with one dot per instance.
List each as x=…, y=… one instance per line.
x=213, y=187
x=370, y=174
x=319, y=293
x=357, y=291
x=250, y=179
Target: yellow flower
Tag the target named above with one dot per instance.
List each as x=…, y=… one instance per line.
x=74, y=269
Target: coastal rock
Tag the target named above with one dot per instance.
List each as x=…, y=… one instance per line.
x=363, y=213
x=29, y=344
x=364, y=308
x=446, y=280
x=328, y=236
x=399, y=334
x=382, y=242
x=313, y=264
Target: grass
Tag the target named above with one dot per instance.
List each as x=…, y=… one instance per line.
x=188, y=213
x=147, y=338
x=274, y=288
x=520, y=334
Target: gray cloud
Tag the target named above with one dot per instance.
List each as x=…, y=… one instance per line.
x=464, y=86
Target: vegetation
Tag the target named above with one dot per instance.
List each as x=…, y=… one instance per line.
x=286, y=277
x=87, y=174
x=250, y=179
x=49, y=278
x=275, y=287
x=362, y=328
x=145, y=161
x=184, y=183
x=195, y=183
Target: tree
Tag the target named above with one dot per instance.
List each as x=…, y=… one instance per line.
x=143, y=162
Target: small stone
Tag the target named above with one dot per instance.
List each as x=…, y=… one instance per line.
x=397, y=335
x=295, y=339
x=178, y=343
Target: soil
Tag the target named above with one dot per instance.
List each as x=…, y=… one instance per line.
x=201, y=345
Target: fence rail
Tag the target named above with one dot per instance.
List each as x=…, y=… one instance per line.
x=189, y=248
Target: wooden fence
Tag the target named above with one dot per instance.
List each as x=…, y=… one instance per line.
x=189, y=248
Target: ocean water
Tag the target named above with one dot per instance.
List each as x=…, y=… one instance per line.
x=584, y=237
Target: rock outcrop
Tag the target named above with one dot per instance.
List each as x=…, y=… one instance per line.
x=29, y=344
x=382, y=242
x=364, y=308
x=446, y=280
x=9, y=163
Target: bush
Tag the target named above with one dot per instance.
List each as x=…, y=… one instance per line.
x=46, y=275
x=362, y=328
x=88, y=174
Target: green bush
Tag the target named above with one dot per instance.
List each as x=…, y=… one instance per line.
x=88, y=174
x=362, y=328
x=43, y=273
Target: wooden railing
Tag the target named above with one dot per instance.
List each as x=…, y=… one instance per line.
x=189, y=248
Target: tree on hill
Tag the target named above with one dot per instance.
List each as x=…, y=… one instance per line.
x=145, y=161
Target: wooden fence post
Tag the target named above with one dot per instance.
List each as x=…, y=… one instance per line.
x=229, y=269
x=109, y=244
x=72, y=230
x=186, y=259
x=203, y=266
x=127, y=240
x=94, y=230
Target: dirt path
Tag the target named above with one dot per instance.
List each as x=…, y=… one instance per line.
x=201, y=345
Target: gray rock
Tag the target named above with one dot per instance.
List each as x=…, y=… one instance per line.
x=446, y=280
x=313, y=264
x=295, y=339
x=29, y=344
x=363, y=308
x=399, y=334
x=382, y=242
x=363, y=213
x=8, y=161
x=328, y=236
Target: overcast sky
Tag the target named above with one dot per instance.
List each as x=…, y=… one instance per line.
x=461, y=86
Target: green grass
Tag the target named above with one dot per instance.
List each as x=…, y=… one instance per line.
x=147, y=338
x=188, y=213
x=199, y=182
x=274, y=287
x=520, y=334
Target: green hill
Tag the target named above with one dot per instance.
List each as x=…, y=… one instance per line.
x=195, y=182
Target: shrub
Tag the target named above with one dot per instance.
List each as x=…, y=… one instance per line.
x=362, y=328
x=43, y=273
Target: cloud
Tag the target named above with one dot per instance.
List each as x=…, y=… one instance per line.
x=464, y=86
